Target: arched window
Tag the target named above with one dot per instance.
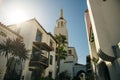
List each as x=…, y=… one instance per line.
x=61, y=23
x=58, y=24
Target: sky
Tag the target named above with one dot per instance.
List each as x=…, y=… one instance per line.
x=47, y=12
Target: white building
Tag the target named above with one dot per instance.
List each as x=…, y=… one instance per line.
x=42, y=45
x=6, y=33
x=102, y=23
x=68, y=63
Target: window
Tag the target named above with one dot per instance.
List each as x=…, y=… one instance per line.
x=58, y=24
x=56, y=57
x=51, y=59
x=51, y=43
x=61, y=23
x=70, y=52
x=38, y=36
x=92, y=37
x=50, y=74
x=35, y=54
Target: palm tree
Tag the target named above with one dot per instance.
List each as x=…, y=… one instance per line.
x=5, y=48
x=19, y=50
x=13, y=50
x=62, y=41
x=62, y=52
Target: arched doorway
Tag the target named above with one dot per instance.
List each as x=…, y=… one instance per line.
x=81, y=75
x=103, y=71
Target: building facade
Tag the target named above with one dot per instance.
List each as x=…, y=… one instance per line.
x=79, y=69
x=6, y=33
x=102, y=24
x=42, y=46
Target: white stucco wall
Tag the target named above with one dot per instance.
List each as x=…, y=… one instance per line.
x=52, y=68
x=61, y=29
x=105, y=20
x=92, y=46
x=78, y=68
x=104, y=16
x=68, y=63
x=9, y=34
x=28, y=31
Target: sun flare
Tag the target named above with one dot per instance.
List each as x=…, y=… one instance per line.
x=17, y=16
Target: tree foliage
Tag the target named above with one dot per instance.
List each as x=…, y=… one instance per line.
x=15, y=52
x=61, y=51
x=61, y=41
x=14, y=48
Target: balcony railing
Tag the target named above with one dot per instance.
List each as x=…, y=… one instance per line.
x=38, y=61
x=43, y=46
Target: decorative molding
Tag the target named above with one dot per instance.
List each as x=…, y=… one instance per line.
x=105, y=57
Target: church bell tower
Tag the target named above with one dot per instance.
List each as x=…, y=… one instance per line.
x=60, y=27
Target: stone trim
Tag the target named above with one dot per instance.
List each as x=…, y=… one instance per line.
x=105, y=57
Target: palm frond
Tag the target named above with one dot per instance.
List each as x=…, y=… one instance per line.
x=14, y=47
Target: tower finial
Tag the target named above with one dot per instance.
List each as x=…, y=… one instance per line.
x=61, y=13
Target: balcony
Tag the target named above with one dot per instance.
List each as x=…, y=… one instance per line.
x=43, y=46
x=40, y=56
x=38, y=61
